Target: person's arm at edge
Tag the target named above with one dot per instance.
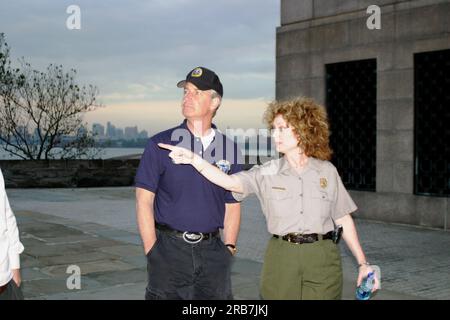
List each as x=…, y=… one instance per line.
x=16, y=247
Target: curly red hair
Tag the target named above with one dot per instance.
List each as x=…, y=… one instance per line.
x=309, y=122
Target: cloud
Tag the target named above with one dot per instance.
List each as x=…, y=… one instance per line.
x=136, y=50
x=134, y=92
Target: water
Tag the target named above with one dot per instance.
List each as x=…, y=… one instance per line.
x=364, y=291
x=106, y=153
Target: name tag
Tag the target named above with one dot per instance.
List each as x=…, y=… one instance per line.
x=279, y=188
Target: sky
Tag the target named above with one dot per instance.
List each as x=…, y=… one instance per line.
x=135, y=52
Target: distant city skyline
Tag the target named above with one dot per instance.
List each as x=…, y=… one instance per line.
x=243, y=114
x=110, y=131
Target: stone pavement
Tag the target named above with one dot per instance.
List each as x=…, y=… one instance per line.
x=95, y=229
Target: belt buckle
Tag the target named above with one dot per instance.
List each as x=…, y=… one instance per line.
x=192, y=237
x=295, y=238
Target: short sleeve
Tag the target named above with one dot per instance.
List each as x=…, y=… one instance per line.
x=343, y=202
x=249, y=183
x=150, y=168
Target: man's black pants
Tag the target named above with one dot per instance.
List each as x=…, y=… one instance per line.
x=179, y=270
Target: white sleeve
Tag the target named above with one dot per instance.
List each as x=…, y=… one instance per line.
x=249, y=182
x=15, y=246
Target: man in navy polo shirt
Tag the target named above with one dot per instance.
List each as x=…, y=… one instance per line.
x=179, y=212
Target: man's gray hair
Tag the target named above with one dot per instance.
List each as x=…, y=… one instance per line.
x=214, y=95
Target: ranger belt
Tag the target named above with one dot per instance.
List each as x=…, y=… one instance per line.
x=299, y=238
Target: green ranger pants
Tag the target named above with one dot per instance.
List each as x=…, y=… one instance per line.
x=309, y=271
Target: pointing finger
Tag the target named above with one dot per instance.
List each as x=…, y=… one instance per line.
x=172, y=154
x=166, y=146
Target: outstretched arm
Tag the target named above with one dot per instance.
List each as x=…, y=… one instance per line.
x=184, y=156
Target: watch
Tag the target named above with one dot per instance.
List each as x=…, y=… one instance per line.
x=363, y=264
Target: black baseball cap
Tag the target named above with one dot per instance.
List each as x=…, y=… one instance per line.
x=204, y=79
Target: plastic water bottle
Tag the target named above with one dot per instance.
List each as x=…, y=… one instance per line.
x=364, y=291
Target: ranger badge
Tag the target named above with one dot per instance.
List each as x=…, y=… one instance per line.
x=323, y=183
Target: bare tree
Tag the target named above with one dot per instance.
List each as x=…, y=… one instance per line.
x=41, y=113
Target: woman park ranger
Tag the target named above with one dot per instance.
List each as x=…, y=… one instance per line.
x=302, y=198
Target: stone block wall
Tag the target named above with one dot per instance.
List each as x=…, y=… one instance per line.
x=314, y=33
x=68, y=173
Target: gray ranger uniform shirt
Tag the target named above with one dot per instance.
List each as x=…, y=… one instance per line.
x=305, y=203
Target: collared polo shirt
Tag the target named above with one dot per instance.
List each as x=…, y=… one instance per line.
x=206, y=140
x=291, y=202
x=184, y=199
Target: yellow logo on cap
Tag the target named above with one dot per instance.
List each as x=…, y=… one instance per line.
x=197, y=72
x=323, y=183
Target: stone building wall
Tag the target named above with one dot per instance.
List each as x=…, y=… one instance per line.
x=314, y=33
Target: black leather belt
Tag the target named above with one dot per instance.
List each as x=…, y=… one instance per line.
x=188, y=236
x=299, y=238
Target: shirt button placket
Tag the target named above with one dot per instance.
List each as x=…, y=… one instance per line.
x=301, y=195
x=200, y=147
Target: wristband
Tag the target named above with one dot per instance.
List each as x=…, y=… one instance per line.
x=363, y=264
